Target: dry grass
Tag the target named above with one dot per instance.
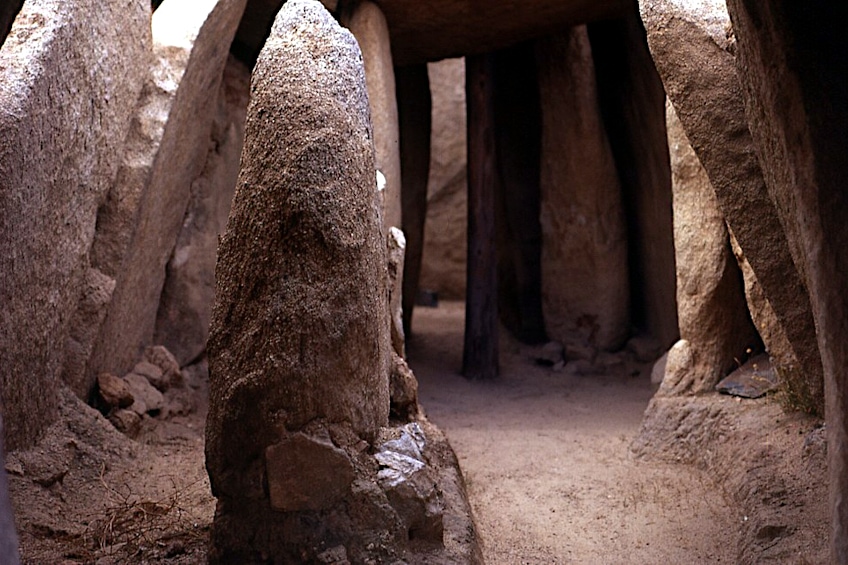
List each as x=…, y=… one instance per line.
x=132, y=528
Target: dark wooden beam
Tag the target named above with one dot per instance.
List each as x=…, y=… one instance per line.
x=412, y=85
x=480, y=356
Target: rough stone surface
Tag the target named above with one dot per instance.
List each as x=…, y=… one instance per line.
x=735, y=443
x=792, y=58
x=8, y=535
x=678, y=369
x=126, y=421
x=160, y=356
x=443, y=261
x=396, y=248
x=185, y=307
x=305, y=473
x=693, y=50
x=711, y=307
x=94, y=299
x=632, y=101
x=403, y=391
x=300, y=347
x=139, y=224
x=114, y=391
x=153, y=374
x=300, y=328
x=585, y=291
x=85, y=62
x=146, y=398
x=368, y=25
x=762, y=314
x=410, y=485
x=304, y=208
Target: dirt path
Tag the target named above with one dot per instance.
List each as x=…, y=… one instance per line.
x=547, y=463
x=545, y=455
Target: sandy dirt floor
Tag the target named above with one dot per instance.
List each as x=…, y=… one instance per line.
x=547, y=463
x=546, y=457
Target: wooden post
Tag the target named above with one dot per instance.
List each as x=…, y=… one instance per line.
x=480, y=356
x=414, y=106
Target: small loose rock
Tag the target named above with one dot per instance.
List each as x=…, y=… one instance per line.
x=114, y=391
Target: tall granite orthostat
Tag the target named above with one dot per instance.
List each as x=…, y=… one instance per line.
x=140, y=221
x=585, y=293
x=693, y=49
x=714, y=322
x=444, y=252
x=70, y=73
x=299, y=348
x=368, y=25
x=791, y=61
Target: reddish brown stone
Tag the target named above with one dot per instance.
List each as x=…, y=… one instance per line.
x=114, y=391
x=305, y=473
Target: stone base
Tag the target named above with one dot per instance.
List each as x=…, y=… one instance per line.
x=403, y=502
x=769, y=463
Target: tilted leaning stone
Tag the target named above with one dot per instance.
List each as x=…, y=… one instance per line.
x=138, y=225
x=185, y=306
x=70, y=74
x=693, y=47
x=711, y=308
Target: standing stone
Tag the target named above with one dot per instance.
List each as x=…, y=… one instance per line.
x=140, y=221
x=299, y=348
x=765, y=320
x=480, y=352
x=632, y=102
x=94, y=299
x=368, y=25
x=70, y=74
x=792, y=58
x=711, y=303
x=185, y=307
x=443, y=262
x=396, y=248
x=693, y=48
x=585, y=289
x=518, y=137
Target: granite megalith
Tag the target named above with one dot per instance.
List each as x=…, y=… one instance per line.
x=185, y=306
x=791, y=63
x=711, y=307
x=70, y=73
x=368, y=25
x=585, y=292
x=444, y=247
x=302, y=455
x=141, y=219
x=693, y=47
x=299, y=347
